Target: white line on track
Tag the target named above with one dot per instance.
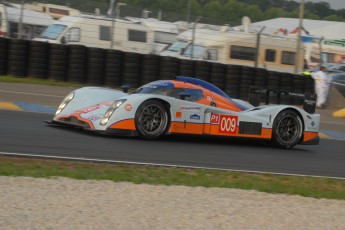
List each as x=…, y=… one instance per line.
x=154, y=164
x=35, y=94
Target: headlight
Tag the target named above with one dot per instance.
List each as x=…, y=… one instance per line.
x=110, y=111
x=64, y=103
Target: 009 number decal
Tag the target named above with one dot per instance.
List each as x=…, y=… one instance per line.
x=228, y=124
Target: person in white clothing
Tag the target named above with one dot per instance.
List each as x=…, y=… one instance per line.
x=322, y=85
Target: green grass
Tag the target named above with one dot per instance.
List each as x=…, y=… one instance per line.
x=29, y=80
x=304, y=186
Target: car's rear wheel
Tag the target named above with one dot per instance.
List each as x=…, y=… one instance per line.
x=287, y=129
x=151, y=119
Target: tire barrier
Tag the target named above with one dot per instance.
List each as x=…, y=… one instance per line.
x=202, y=70
x=247, y=80
x=131, y=69
x=232, y=80
x=95, y=66
x=149, y=68
x=77, y=65
x=298, y=87
x=168, y=68
x=186, y=68
x=260, y=78
x=58, y=60
x=3, y=55
x=38, y=59
x=113, y=68
x=17, y=57
x=217, y=76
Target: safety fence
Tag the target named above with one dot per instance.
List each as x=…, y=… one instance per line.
x=113, y=68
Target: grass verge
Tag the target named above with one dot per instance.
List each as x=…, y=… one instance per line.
x=29, y=80
x=304, y=186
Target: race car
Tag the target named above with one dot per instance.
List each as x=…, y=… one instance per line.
x=184, y=105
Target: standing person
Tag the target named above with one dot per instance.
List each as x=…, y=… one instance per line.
x=322, y=85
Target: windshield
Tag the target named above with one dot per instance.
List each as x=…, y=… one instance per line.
x=53, y=31
x=157, y=87
x=167, y=88
x=197, y=50
x=177, y=46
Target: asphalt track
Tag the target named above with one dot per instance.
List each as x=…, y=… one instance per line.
x=23, y=132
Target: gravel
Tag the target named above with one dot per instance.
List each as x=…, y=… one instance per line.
x=63, y=203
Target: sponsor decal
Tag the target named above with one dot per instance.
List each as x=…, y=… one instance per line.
x=190, y=108
x=228, y=124
x=89, y=109
x=312, y=123
x=214, y=118
x=194, y=117
x=128, y=107
x=94, y=118
x=178, y=114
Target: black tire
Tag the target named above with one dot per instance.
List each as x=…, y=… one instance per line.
x=151, y=119
x=287, y=129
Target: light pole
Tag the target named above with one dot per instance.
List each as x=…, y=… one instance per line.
x=298, y=48
x=20, y=24
x=193, y=37
x=115, y=16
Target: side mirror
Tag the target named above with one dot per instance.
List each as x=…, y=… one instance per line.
x=125, y=88
x=63, y=40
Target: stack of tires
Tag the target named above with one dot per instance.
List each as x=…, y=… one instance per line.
x=287, y=85
x=3, y=55
x=298, y=87
x=168, y=67
x=247, y=80
x=38, y=59
x=131, y=69
x=202, y=70
x=273, y=82
x=186, y=68
x=149, y=68
x=113, y=68
x=95, y=66
x=217, y=76
x=260, y=78
x=232, y=80
x=77, y=64
x=58, y=62
x=17, y=57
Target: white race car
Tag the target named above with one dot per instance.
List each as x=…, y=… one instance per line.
x=186, y=106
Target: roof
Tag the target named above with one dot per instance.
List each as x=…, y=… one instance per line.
x=319, y=28
x=29, y=17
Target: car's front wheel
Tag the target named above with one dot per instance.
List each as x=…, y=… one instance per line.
x=287, y=129
x=151, y=119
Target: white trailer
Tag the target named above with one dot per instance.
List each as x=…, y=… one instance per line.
x=33, y=23
x=97, y=31
x=231, y=47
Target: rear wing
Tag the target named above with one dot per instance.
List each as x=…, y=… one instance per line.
x=255, y=93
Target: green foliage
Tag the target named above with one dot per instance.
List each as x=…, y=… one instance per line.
x=212, y=11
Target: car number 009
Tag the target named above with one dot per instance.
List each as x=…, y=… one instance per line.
x=228, y=124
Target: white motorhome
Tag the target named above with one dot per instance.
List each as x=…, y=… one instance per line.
x=96, y=31
x=165, y=33
x=33, y=23
x=56, y=11
x=231, y=47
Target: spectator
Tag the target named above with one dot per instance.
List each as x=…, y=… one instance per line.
x=322, y=85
